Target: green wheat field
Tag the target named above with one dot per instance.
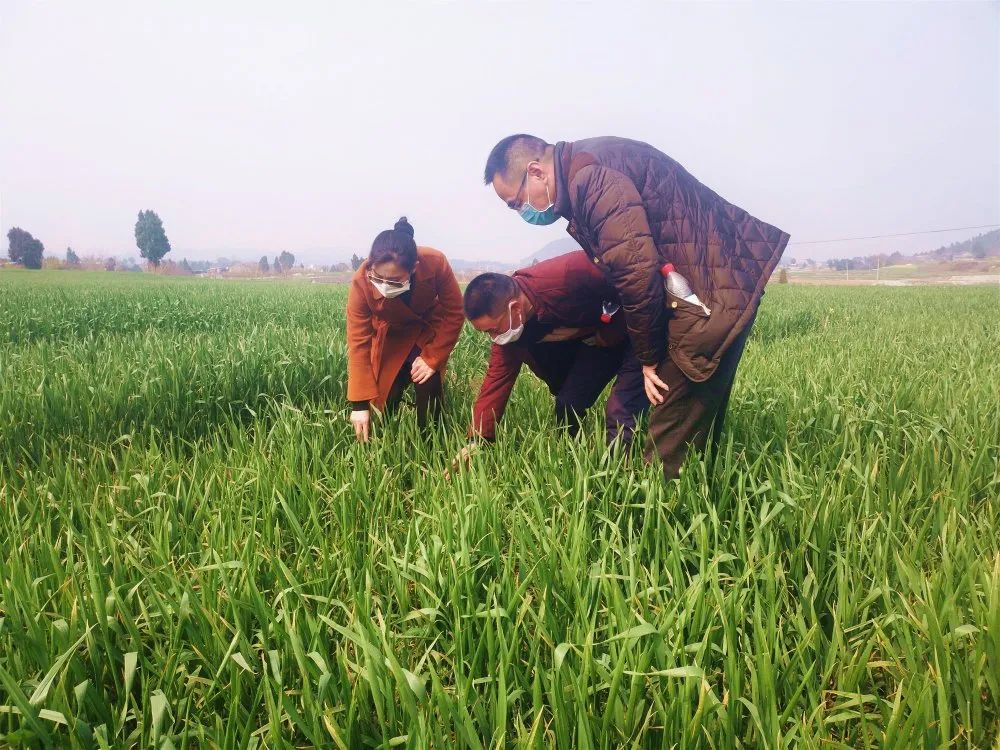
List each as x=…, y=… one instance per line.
x=195, y=553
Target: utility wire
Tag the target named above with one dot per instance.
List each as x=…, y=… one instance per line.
x=899, y=234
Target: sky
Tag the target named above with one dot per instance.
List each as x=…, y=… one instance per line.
x=252, y=128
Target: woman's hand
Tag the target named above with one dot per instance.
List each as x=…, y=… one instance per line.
x=420, y=371
x=361, y=419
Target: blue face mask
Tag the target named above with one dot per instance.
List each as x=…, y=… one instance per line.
x=535, y=216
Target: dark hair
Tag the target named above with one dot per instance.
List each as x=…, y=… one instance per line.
x=395, y=245
x=513, y=152
x=488, y=294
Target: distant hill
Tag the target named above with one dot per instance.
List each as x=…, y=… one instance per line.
x=458, y=264
x=551, y=250
x=981, y=246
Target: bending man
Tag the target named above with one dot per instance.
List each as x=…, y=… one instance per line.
x=634, y=210
x=560, y=318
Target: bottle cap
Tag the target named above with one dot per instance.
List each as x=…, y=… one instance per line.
x=666, y=269
x=605, y=318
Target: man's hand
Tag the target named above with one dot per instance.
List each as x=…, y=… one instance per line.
x=361, y=419
x=420, y=371
x=653, y=384
x=462, y=460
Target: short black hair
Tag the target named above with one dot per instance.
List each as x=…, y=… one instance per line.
x=513, y=152
x=395, y=245
x=488, y=294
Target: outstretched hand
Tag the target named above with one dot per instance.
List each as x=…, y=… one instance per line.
x=461, y=461
x=360, y=420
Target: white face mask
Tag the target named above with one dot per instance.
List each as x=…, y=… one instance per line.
x=513, y=334
x=390, y=291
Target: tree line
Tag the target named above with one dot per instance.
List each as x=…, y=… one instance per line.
x=151, y=240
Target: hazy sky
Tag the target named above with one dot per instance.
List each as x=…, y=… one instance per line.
x=253, y=127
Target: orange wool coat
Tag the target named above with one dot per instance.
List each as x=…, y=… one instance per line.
x=381, y=332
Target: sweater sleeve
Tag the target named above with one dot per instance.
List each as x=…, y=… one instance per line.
x=505, y=365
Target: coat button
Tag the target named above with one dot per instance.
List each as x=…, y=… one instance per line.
x=597, y=260
x=673, y=305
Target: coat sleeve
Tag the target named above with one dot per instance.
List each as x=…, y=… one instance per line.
x=361, y=384
x=609, y=205
x=505, y=365
x=447, y=320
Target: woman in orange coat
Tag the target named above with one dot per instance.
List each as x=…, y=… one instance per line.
x=404, y=315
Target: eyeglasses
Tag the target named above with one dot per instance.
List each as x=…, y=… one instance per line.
x=391, y=283
x=515, y=204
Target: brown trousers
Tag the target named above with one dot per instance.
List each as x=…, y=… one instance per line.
x=691, y=412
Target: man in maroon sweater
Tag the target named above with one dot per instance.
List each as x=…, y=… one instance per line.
x=560, y=318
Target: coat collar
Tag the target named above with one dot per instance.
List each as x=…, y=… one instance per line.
x=567, y=161
x=561, y=159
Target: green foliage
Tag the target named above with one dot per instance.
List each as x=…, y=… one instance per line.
x=150, y=238
x=263, y=265
x=783, y=276
x=356, y=261
x=23, y=248
x=72, y=259
x=194, y=552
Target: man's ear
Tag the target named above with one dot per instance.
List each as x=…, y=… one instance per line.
x=536, y=170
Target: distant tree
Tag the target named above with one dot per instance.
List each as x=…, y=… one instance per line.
x=340, y=267
x=263, y=265
x=783, y=276
x=150, y=238
x=356, y=262
x=276, y=264
x=72, y=259
x=24, y=248
x=186, y=267
x=110, y=264
x=287, y=260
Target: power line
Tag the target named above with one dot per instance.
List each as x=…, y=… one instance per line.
x=899, y=234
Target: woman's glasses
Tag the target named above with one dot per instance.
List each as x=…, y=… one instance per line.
x=390, y=283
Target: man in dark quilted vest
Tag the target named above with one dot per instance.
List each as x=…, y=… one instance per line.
x=634, y=209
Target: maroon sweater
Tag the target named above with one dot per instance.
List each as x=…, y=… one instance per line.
x=567, y=291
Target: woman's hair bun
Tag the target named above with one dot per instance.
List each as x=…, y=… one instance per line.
x=403, y=226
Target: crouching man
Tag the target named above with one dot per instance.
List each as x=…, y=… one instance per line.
x=561, y=318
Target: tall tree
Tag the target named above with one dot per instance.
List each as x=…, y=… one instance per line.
x=356, y=262
x=24, y=248
x=150, y=238
x=72, y=259
x=263, y=265
x=276, y=265
x=287, y=260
